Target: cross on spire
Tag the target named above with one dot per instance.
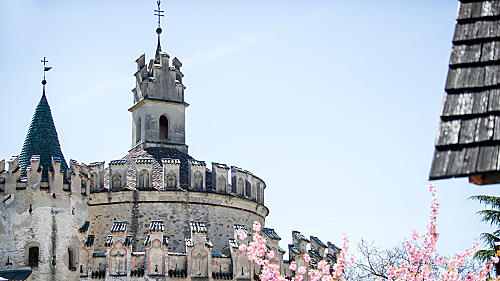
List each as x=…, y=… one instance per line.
x=159, y=14
x=45, y=69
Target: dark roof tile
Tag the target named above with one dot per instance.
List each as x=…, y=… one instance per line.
x=42, y=140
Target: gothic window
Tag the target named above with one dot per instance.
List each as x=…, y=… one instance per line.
x=33, y=255
x=117, y=180
x=118, y=260
x=163, y=127
x=221, y=184
x=259, y=193
x=171, y=180
x=248, y=189
x=156, y=259
x=94, y=182
x=199, y=262
x=240, y=186
x=138, y=131
x=143, y=179
x=198, y=180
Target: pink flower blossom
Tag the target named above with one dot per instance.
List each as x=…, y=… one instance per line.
x=242, y=234
x=307, y=258
x=302, y=270
x=270, y=255
x=242, y=247
x=256, y=226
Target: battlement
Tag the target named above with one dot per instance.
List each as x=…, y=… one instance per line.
x=159, y=74
x=148, y=173
x=198, y=260
x=73, y=181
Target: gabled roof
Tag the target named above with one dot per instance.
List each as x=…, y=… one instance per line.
x=42, y=140
x=270, y=233
x=468, y=139
x=319, y=242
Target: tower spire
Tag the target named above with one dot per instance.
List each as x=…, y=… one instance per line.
x=41, y=139
x=159, y=14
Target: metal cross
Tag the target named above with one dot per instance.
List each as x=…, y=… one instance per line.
x=159, y=12
x=45, y=68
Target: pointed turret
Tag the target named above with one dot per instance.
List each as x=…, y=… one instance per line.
x=42, y=140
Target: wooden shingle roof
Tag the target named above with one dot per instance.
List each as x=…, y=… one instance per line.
x=468, y=139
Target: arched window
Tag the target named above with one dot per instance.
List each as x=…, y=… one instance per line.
x=198, y=180
x=71, y=259
x=241, y=186
x=94, y=182
x=138, y=131
x=221, y=184
x=117, y=180
x=33, y=255
x=248, y=189
x=163, y=127
x=143, y=178
x=171, y=180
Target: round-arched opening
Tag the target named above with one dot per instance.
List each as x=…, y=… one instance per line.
x=163, y=127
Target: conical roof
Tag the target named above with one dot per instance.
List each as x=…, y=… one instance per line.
x=42, y=140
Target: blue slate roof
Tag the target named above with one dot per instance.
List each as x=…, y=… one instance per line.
x=21, y=274
x=42, y=140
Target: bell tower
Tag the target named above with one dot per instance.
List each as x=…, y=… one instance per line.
x=158, y=113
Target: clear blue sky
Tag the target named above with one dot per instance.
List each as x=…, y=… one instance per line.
x=335, y=104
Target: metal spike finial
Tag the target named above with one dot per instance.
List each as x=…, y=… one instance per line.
x=159, y=14
x=45, y=69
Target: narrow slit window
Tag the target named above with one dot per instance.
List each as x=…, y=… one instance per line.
x=163, y=127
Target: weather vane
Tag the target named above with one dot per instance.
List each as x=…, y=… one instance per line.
x=159, y=14
x=45, y=69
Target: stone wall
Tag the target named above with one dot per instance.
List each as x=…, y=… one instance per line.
x=175, y=209
x=46, y=215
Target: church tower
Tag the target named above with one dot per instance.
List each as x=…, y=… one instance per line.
x=158, y=113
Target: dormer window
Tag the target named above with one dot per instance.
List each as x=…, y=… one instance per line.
x=163, y=127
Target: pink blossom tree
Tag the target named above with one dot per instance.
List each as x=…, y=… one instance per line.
x=421, y=265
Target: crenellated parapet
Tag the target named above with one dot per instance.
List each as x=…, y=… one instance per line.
x=197, y=175
x=96, y=176
x=220, y=176
x=198, y=261
x=157, y=75
x=73, y=181
x=151, y=172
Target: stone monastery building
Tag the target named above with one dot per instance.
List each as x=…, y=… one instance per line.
x=155, y=214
